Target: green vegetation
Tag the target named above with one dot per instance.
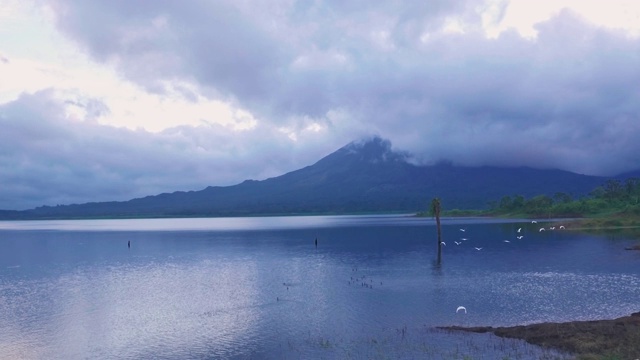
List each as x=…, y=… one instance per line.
x=613, y=199
x=614, y=205
x=611, y=208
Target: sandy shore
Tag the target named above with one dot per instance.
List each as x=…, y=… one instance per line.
x=598, y=339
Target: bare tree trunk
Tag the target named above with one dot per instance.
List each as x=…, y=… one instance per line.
x=435, y=211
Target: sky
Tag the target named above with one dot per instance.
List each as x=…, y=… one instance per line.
x=106, y=100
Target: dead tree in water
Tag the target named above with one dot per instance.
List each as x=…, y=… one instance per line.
x=435, y=211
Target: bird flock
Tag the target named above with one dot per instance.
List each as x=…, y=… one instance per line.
x=367, y=282
x=519, y=236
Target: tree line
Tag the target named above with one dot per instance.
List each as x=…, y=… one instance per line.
x=612, y=197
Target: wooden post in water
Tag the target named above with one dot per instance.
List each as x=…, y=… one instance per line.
x=435, y=211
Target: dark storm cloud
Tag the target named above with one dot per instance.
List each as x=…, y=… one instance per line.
x=246, y=50
x=212, y=41
x=47, y=159
x=567, y=99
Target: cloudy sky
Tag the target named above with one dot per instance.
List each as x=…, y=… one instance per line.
x=116, y=99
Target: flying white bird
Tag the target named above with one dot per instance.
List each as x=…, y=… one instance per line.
x=478, y=248
x=561, y=226
x=443, y=243
x=541, y=229
x=464, y=239
x=519, y=229
x=463, y=230
x=458, y=242
x=507, y=241
x=534, y=222
x=461, y=308
x=520, y=237
x=552, y=228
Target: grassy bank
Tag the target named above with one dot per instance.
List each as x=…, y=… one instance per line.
x=610, y=224
x=605, y=222
x=588, y=340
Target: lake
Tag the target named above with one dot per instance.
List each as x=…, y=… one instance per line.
x=241, y=288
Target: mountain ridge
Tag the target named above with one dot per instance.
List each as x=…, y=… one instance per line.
x=361, y=177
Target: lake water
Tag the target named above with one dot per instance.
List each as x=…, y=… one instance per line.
x=259, y=288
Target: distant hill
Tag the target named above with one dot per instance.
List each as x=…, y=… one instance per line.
x=627, y=175
x=360, y=177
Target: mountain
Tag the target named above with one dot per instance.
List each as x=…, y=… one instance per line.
x=360, y=177
x=628, y=175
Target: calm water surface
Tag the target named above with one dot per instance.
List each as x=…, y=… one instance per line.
x=259, y=288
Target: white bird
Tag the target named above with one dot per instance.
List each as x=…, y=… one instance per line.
x=461, y=308
x=443, y=243
x=541, y=229
x=534, y=222
x=464, y=239
x=478, y=248
x=552, y=228
x=507, y=241
x=520, y=237
x=458, y=242
x=519, y=229
x=561, y=226
x=463, y=230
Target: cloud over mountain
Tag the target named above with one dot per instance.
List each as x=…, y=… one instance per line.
x=429, y=76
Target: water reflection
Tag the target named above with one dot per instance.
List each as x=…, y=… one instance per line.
x=264, y=290
x=238, y=223
x=127, y=308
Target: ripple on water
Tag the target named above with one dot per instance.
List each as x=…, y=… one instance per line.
x=269, y=294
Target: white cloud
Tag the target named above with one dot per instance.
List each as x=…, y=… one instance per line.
x=66, y=68
x=523, y=16
x=50, y=157
x=126, y=103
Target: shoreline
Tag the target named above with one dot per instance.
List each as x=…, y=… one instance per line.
x=592, y=339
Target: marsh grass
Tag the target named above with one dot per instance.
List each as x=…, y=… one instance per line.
x=420, y=343
x=588, y=340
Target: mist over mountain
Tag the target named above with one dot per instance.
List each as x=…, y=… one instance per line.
x=363, y=176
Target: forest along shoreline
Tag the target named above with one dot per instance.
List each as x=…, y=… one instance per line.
x=595, y=339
